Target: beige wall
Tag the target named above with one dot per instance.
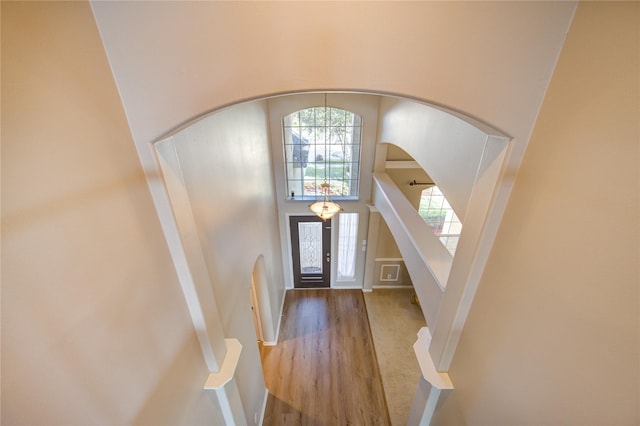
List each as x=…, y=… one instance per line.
x=95, y=329
x=553, y=334
x=387, y=247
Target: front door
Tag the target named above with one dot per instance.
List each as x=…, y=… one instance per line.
x=311, y=250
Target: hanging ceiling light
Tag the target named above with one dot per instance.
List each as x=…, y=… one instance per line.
x=325, y=208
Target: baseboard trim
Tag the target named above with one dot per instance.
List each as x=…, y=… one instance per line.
x=264, y=405
x=284, y=295
x=399, y=287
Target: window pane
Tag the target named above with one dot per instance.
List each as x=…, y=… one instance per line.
x=439, y=215
x=347, y=244
x=322, y=144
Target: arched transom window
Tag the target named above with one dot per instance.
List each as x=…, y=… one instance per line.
x=322, y=144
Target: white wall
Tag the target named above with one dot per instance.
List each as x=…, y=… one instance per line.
x=448, y=148
x=175, y=60
x=94, y=327
x=553, y=334
x=226, y=165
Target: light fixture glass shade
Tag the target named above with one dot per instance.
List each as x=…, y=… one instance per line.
x=325, y=208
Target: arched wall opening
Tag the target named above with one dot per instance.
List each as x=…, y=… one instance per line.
x=466, y=160
x=222, y=175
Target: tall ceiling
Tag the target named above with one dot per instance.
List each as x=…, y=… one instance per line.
x=173, y=61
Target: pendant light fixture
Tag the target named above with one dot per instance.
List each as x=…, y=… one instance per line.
x=325, y=208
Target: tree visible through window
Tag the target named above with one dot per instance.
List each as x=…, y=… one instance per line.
x=322, y=144
x=437, y=212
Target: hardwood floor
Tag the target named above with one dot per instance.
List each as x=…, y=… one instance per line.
x=323, y=371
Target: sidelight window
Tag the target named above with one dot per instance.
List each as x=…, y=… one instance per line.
x=347, y=246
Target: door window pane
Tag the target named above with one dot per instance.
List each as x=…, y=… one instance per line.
x=310, y=240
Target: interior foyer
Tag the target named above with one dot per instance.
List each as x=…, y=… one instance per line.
x=463, y=156
x=112, y=315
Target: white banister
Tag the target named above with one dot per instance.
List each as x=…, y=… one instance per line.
x=427, y=260
x=427, y=367
x=223, y=382
x=432, y=386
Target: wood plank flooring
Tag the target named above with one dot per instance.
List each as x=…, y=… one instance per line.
x=323, y=371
